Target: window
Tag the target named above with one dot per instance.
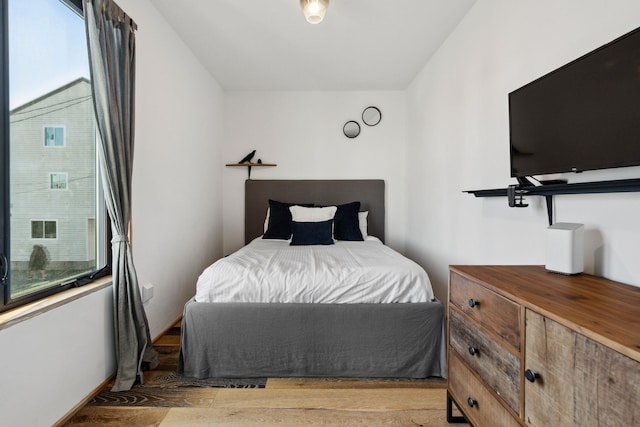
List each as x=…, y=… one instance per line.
x=54, y=136
x=44, y=229
x=50, y=237
x=58, y=181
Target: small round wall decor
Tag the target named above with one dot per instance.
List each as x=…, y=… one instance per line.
x=351, y=129
x=371, y=116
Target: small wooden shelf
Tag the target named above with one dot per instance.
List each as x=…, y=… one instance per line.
x=250, y=165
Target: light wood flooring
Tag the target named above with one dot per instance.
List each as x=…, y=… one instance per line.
x=283, y=402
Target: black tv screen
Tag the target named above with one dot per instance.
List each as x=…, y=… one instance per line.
x=582, y=116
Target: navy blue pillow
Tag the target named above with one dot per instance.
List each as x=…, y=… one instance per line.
x=347, y=225
x=280, y=220
x=312, y=233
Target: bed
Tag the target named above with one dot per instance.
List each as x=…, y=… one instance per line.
x=242, y=338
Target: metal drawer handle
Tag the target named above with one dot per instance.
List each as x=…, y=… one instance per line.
x=531, y=376
x=474, y=351
x=473, y=303
x=472, y=402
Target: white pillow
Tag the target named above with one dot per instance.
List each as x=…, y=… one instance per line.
x=266, y=221
x=362, y=220
x=302, y=214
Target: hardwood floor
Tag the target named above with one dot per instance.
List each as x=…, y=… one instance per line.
x=282, y=401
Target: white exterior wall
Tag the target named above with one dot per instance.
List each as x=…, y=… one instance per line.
x=32, y=162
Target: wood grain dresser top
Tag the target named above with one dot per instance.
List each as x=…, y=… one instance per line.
x=603, y=310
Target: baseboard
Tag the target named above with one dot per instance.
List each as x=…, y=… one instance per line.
x=167, y=329
x=62, y=421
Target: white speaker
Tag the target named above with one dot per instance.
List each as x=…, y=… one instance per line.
x=565, y=248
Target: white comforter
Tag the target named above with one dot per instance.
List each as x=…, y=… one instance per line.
x=271, y=271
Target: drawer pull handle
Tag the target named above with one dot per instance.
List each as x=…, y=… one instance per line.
x=531, y=376
x=474, y=351
x=472, y=402
x=474, y=303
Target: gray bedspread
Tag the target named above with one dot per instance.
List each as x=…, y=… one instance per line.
x=338, y=340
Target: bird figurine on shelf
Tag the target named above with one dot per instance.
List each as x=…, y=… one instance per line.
x=248, y=157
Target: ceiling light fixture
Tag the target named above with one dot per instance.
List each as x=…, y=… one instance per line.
x=314, y=10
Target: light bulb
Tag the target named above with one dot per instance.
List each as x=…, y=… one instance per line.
x=314, y=10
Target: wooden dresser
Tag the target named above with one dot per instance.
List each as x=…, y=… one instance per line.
x=530, y=347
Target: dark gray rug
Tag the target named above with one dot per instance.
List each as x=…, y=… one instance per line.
x=164, y=387
x=174, y=379
x=170, y=390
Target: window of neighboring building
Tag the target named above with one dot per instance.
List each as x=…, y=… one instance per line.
x=44, y=229
x=54, y=136
x=58, y=180
x=50, y=105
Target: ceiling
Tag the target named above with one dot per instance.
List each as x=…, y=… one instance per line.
x=268, y=45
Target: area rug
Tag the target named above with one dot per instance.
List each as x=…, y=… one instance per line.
x=169, y=389
x=176, y=380
x=165, y=387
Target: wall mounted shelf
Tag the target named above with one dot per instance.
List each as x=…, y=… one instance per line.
x=550, y=190
x=250, y=165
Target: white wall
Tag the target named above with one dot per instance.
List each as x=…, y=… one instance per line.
x=177, y=176
x=302, y=133
x=447, y=133
x=53, y=361
x=458, y=125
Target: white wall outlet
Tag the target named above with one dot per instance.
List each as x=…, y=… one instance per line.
x=147, y=292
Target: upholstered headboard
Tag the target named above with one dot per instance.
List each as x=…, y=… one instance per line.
x=369, y=192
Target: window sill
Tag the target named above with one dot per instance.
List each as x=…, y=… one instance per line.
x=28, y=311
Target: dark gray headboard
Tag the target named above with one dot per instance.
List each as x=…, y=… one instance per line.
x=369, y=192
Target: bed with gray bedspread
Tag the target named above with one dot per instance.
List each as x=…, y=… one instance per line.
x=247, y=340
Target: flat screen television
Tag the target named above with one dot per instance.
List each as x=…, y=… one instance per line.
x=583, y=116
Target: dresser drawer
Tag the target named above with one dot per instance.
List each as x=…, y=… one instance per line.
x=494, y=311
x=498, y=367
x=486, y=410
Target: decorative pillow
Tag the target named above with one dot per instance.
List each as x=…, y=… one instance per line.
x=346, y=224
x=312, y=233
x=362, y=219
x=266, y=222
x=307, y=214
x=280, y=220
